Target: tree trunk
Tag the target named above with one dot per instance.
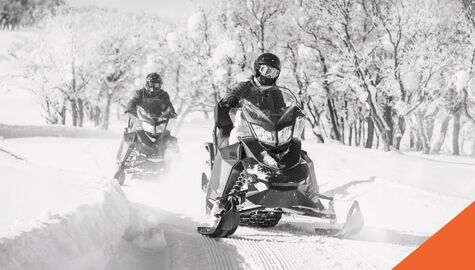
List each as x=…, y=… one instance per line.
x=342, y=130
x=388, y=117
x=335, y=134
x=430, y=128
x=363, y=131
x=358, y=133
x=314, y=131
x=96, y=117
x=369, y=139
x=314, y=121
x=424, y=142
x=400, y=132
x=331, y=106
x=106, y=115
x=350, y=135
x=412, y=143
x=379, y=123
x=62, y=114
x=80, y=105
x=441, y=137
x=455, y=133
x=74, y=111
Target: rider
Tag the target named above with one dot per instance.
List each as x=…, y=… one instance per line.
x=257, y=90
x=151, y=90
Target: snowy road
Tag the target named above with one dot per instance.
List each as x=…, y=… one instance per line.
x=400, y=213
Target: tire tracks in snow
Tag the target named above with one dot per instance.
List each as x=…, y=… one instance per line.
x=219, y=259
x=287, y=251
x=13, y=155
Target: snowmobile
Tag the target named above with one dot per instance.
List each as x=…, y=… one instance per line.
x=266, y=175
x=149, y=143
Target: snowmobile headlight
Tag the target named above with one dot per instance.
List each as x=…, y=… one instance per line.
x=160, y=128
x=285, y=135
x=263, y=135
x=148, y=128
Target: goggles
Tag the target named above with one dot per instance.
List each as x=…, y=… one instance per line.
x=269, y=71
x=154, y=85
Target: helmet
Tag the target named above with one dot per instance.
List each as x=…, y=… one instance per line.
x=267, y=68
x=153, y=82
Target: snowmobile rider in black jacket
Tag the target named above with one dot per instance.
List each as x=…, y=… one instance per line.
x=257, y=90
x=151, y=90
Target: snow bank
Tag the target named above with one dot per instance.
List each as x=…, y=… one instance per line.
x=57, y=220
x=21, y=131
x=143, y=230
x=402, y=192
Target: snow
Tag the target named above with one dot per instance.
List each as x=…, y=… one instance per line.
x=196, y=25
x=405, y=198
x=409, y=78
x=172, y=41
x=12, y=94
x=11, y=101
x=461, y=79
x=56, y=219
x=225, y=51
x=305, y=52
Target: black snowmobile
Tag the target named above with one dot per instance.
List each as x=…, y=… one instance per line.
x=261, y=177
x=149, y=143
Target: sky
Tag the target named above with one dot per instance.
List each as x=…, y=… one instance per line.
x=175, y=9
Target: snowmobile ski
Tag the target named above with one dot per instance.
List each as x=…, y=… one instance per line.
x=353, y=224
x=227, y=225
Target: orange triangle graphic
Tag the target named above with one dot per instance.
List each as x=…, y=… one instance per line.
x=452, y=247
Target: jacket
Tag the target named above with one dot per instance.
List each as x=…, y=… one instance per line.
x=266, y=99
x=142, y=96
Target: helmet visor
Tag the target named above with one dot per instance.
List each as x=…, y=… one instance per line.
x=153, y=86
x=269, y=71
x=156, y=85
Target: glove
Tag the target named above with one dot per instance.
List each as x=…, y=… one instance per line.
x=230, y=102
x=169, y=114
x=130, y=114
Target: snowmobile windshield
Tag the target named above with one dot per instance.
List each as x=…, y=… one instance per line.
x=150, y=113
x=151, y=110
x=276, y=120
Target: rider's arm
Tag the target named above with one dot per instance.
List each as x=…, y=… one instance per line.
x=170, y=111
x=132, y=105
x=235, y=94
x=166, y=98
x=239, y=90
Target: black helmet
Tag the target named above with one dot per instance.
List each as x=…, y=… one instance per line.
x=153, y=82
x=267, y=65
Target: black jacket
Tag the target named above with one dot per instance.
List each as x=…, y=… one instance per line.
x=265, y=99
x=142, y=96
